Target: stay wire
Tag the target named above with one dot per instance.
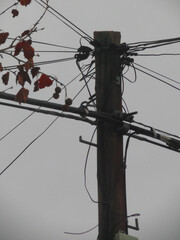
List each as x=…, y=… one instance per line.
x=67, y=23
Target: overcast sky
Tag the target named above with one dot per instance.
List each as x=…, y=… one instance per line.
x=42, y=193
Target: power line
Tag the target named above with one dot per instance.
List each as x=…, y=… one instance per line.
x=157, y=73
x=67, y=23
x=157, y=54
x=48, y=44
x=42, y=63
x=157, y=78
x=35, y=139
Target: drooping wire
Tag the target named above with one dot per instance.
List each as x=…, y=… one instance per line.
x=81, y=233
x=66, y=21
x=34, y=140
x=126, y=149
x=85, y=168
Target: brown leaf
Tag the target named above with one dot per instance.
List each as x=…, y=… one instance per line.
x=29, y=64
x=1, y=67
x=3, y=37
x=22, y=95
x=35, y=71
x=26, y=32
x=24, y=2
x=15, y=12
x=27, y=49
x=23, y=77
x=5, y=78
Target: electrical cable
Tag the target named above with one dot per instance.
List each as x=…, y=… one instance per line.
x=158, y=54
x=48, y=44
x=157, y=73
x=126, y=148
x=81, y=233
x=85, y=168
x=35, y=139
x=157, y=78
x=42, y=63
x=67, y=23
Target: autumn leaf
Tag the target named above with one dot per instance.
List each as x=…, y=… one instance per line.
x=27, y=49
x=5, y=78
x=29, y=64
x=15, y=12
x=1, y=67
x=3, y=37
x=23, y=77
x=22, y=95
x=35, y=71
x=24, y=2
x=44, y=81
x=26, y=32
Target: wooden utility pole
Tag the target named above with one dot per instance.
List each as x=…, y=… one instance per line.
x=110, y=168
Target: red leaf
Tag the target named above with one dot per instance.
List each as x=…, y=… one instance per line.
x=3, y=37
x=25, y=2
x=15, y=12
x=27, y=49
x=5, y=78
x=44, y=81
x=22, y=95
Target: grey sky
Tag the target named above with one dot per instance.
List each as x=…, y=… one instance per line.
x=42, y=194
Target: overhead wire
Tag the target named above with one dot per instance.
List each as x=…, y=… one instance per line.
x=157, y=78
x=66, y=21
x=34, y=140
x=156, y=73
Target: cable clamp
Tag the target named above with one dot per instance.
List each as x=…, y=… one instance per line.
x=155, y=132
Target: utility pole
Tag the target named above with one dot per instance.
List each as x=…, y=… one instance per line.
x=110, y=167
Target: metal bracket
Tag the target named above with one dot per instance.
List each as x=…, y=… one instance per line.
x=86, y=142
x=136, y=225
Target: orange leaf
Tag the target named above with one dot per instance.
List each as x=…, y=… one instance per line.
x=44, y=81
x=25, y=2
x=22, y=95
x=3, y=37
x=5, y=78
